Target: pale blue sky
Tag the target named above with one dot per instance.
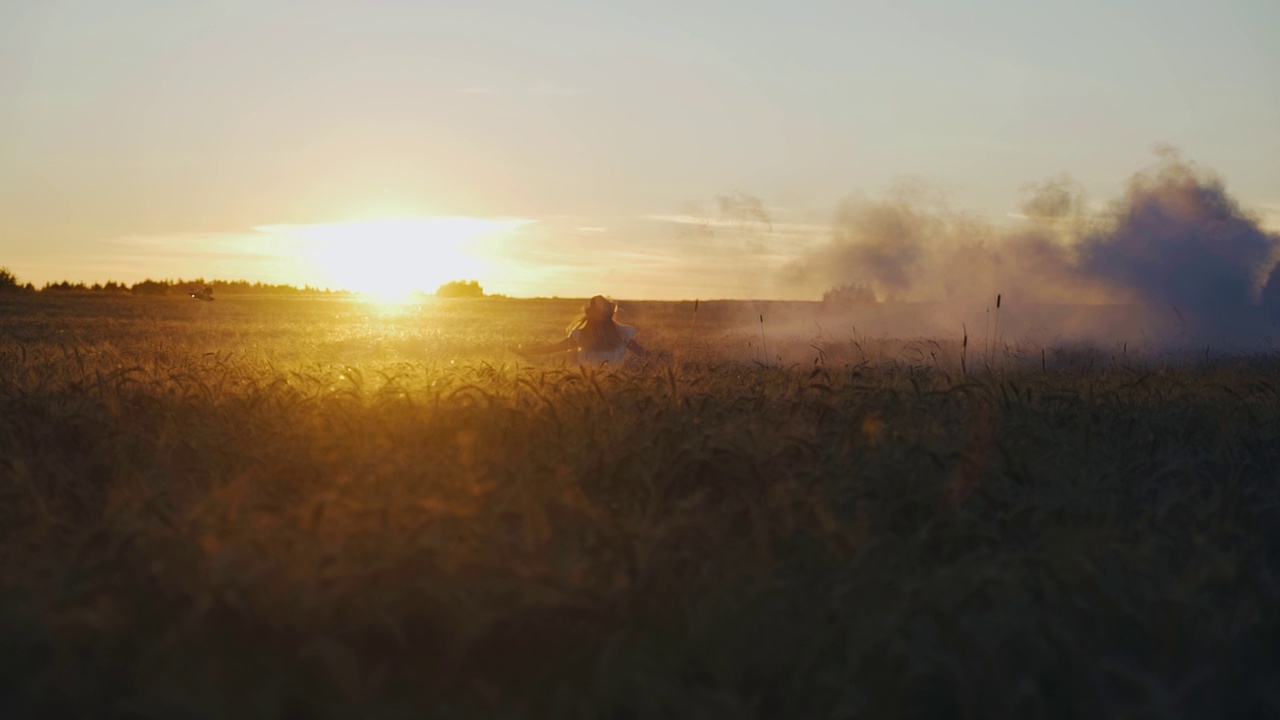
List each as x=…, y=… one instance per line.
x=130, y=127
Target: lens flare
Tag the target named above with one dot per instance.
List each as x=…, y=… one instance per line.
x=393, y=260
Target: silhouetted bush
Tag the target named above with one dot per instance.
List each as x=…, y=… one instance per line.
x=460, y=288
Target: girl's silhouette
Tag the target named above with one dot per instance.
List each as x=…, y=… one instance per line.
x=596, y=337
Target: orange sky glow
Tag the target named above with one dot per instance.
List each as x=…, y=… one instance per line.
x=643, y=150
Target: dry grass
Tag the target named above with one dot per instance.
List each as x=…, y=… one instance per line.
x=302, y=508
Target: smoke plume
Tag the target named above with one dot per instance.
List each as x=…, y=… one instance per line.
x=1178, y=238
x=1175, y=258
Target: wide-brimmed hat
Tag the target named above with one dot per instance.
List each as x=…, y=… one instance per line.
x=599, y=307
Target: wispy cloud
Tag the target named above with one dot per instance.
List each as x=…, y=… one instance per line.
x=252, y=243
x=248, y=255
x=547, y=89
x=646, y=256
x=785, y=228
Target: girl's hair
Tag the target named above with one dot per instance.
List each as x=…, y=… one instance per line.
x=598, y=331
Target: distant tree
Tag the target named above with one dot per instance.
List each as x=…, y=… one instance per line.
x=150, y=287
x=8, y=281
x=460, y=288
x=847, y=295
x=64, y=286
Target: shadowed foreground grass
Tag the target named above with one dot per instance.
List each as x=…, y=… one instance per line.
x=186, y=533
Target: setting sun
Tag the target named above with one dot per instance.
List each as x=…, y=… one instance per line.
x=391, y=258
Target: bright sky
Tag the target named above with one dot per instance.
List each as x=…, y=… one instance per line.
x=560, y=146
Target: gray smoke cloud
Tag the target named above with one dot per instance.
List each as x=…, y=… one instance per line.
x=1178, y=238
x=1175, y=258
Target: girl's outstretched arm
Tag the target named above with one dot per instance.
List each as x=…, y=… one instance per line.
x=637, y=348
x=564, y=345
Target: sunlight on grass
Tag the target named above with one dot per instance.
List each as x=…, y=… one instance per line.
x=299, y=508
x=393, y=302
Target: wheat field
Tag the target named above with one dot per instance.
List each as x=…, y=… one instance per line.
x=312, y=507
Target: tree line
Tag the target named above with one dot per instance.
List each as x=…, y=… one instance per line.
x=10, y=283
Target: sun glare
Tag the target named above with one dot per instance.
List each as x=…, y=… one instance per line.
x=393, y=259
